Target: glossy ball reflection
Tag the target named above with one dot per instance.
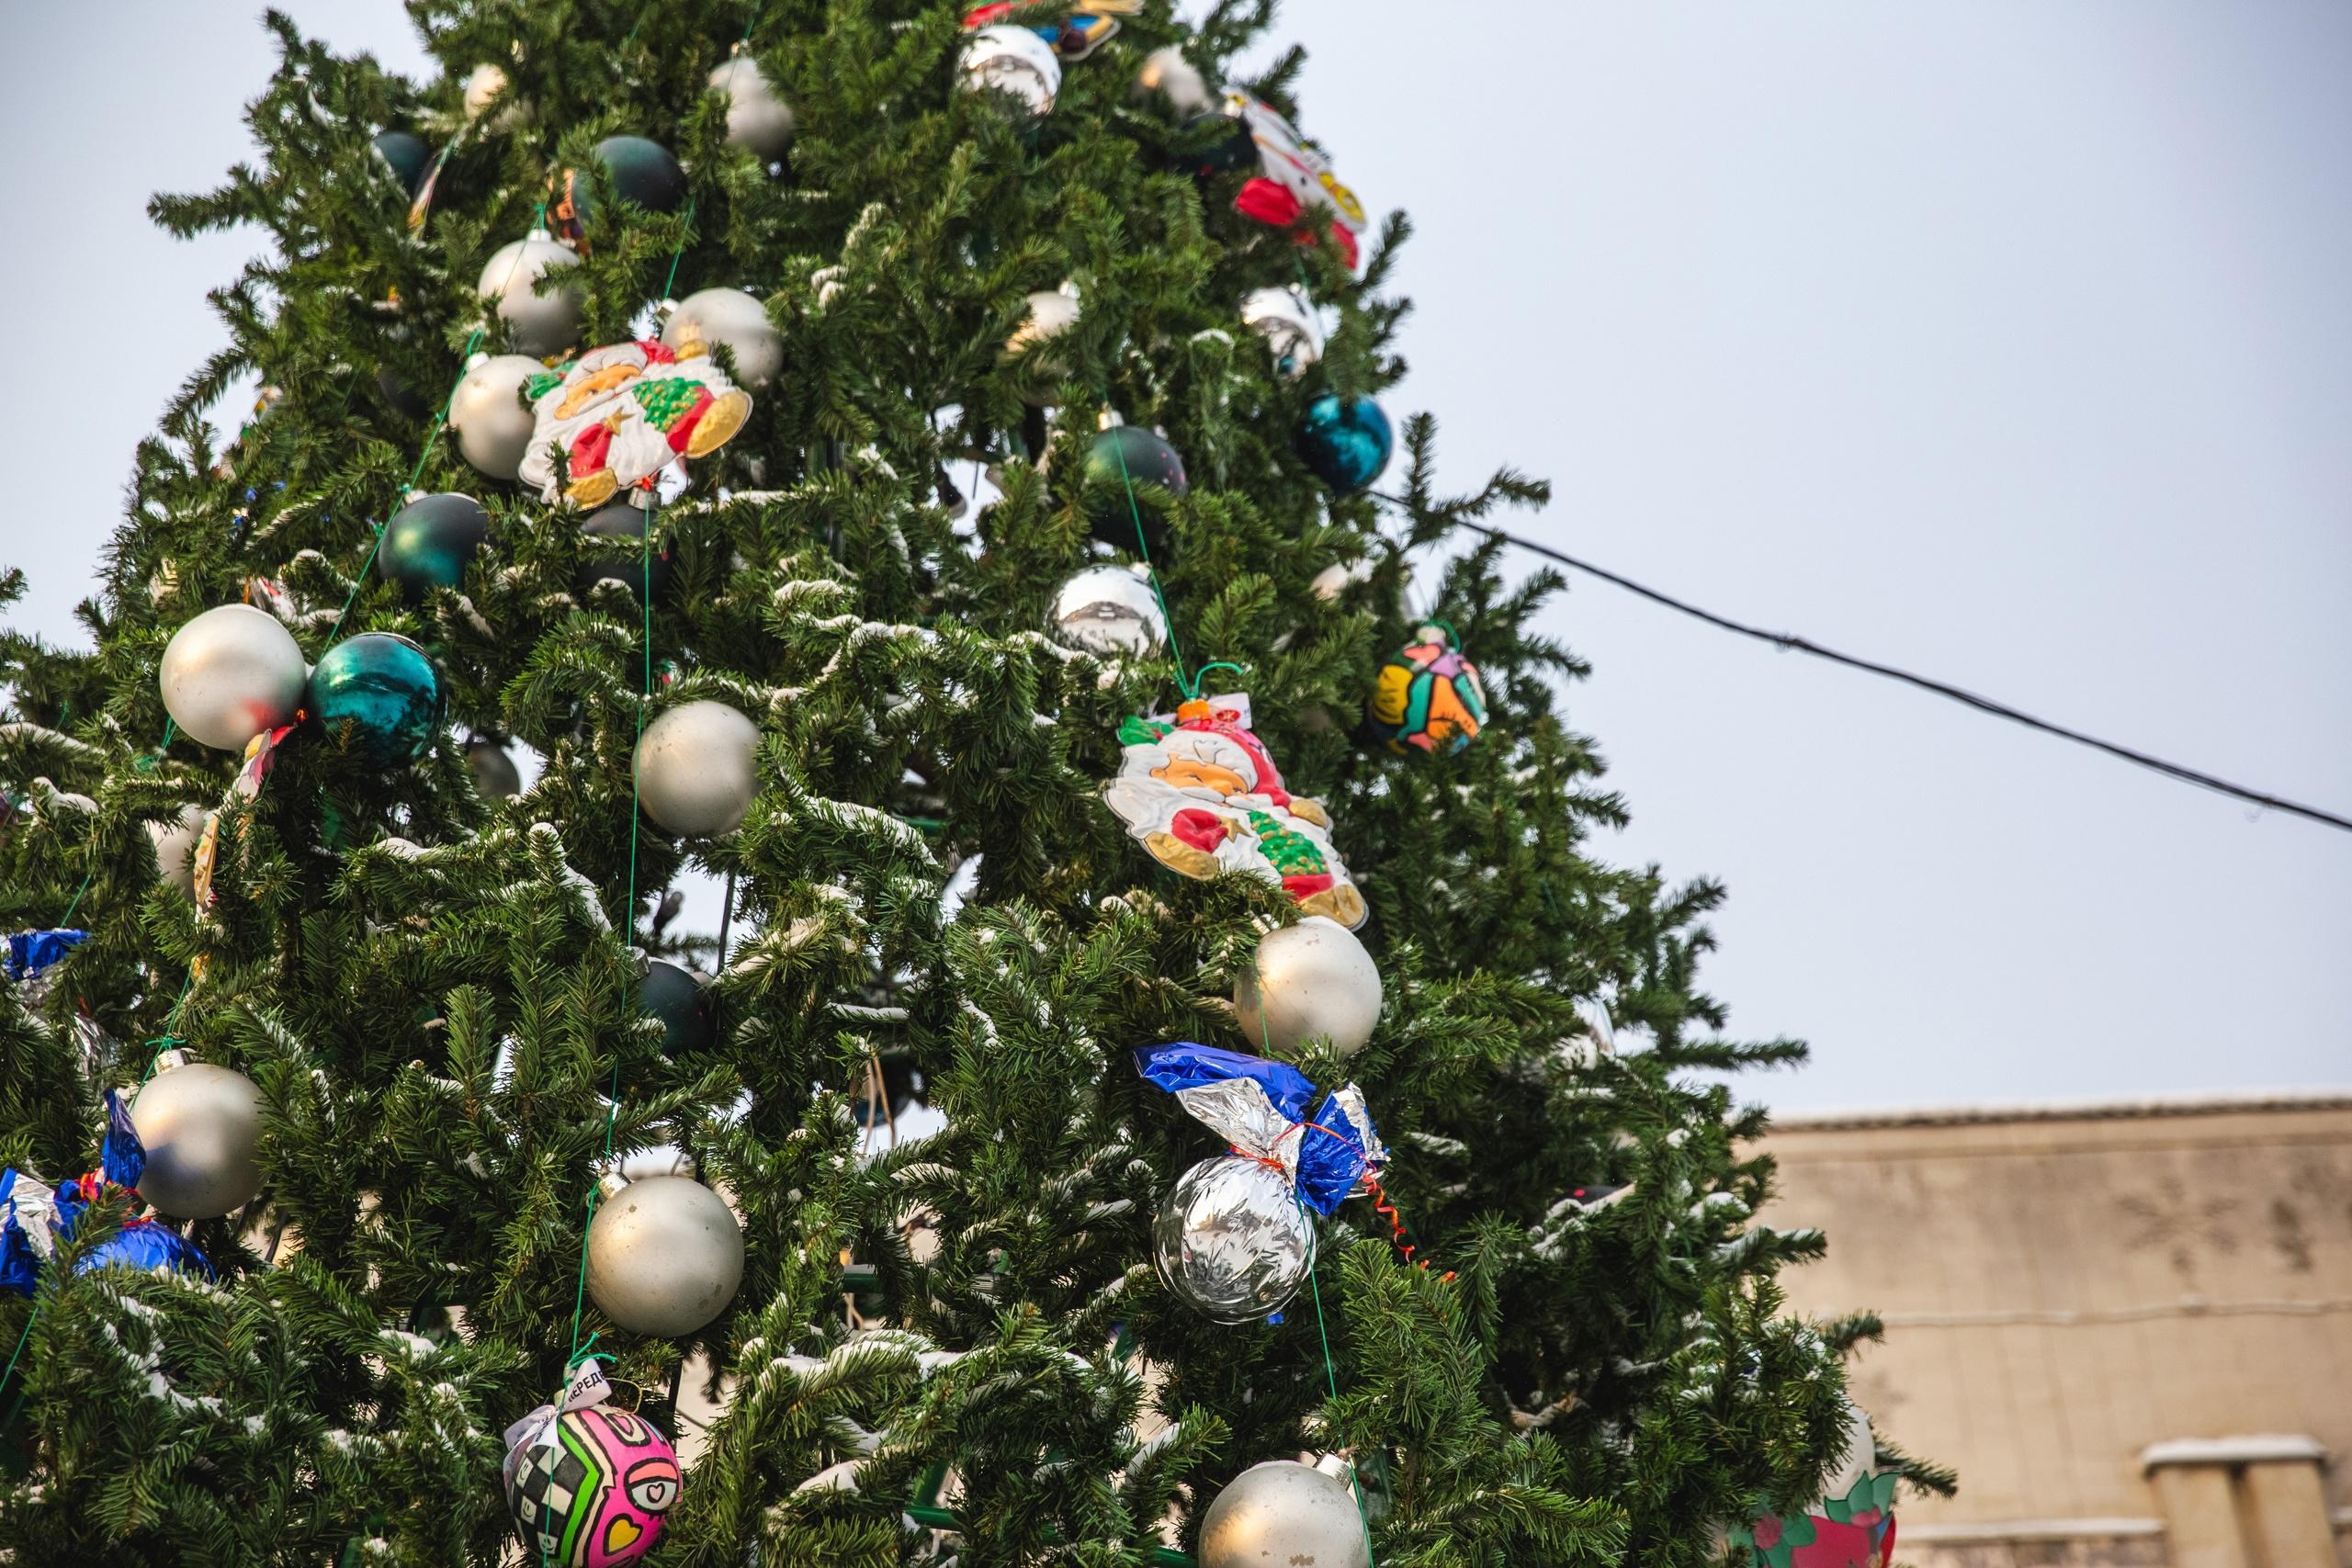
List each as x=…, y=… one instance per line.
x=1232, y=1241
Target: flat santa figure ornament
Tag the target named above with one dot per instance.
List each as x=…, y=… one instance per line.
x=1205, y=798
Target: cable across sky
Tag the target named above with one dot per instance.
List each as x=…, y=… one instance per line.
x=1925, y=683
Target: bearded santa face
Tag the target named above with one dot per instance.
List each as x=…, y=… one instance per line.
x=1205, y=765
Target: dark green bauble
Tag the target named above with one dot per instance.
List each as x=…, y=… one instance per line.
x=429, y=541
x=407, y=157
x=626, y=564
x=1125, y=457
x=378, y=699
x=402, y=399
x=1346, y=443
x=674, y=993
x=643, y=173
x=902, y=1087
x=1230, y=145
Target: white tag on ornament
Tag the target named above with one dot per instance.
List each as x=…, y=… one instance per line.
x=586, y=1387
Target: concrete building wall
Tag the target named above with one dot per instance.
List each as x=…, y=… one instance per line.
x=2128, y=1327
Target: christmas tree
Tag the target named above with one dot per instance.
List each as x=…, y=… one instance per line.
x=917, y=470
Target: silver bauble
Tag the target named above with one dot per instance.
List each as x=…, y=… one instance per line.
x=1168, y=74
x=1286, y=321
x=1110, y=610
x=1052, y=312
x=757, y=115
x=1312, y=980
x=175, y=842
x=495, y=775
x=1232, y=1241
x=664, y=1255
x=1011, y=59
x=231, y=673
x=542, y=324
x=492, y=422
x=712, y=316
x=1282, y=1512
x=200, y=1125
x=695, y=775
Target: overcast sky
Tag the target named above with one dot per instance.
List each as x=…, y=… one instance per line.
x=2009, y=340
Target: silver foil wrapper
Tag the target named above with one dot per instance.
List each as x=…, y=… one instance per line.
x=1232, y=1240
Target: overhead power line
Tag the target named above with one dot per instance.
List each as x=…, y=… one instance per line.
x=1940, y=688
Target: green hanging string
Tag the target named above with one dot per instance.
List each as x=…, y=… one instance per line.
x=9, y=1419
x=67, y=919
x=628, y=925
x=1331, y=1380
x=424, y=453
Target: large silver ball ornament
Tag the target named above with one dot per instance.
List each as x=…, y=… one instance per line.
x=1108, y=610
x=757, y=115
x=695, y=773
x=175, y=842
x=1011, y=59
x=664, y=1255
x=1168, y=74
x=1232, y=1241
x=231, y=673
x=492, y=422
x=1281, y=1512
x=712, y=316
x=1285, y=319
x=1052, y=312
x=542, y=324
x=200, y=1125
x=1313, y=980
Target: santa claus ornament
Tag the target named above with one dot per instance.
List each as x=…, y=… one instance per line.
x=1295, y=186
x=624, y=412
x=1204, y=797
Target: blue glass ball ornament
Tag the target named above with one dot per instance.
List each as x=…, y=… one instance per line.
x=674, y=993
x=379, y=699
x=428, y=542
x=1346, y=443
x=645, y=174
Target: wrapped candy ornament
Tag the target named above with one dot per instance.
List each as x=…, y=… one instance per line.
x=1294, y=186
x=588, y=1483
x=1850, y=1527
x=624, y=412
x=1234, y=1240
x=1426, y=697
x=1202, y=795
x=34, y=1217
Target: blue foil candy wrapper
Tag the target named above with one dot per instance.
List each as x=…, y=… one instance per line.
x=34, y=1218
x=30, y=953
x=1261, y=1109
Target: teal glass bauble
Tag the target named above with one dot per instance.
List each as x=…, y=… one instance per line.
x=1347, y=443
x=377, y=698
x=406, y=156
x=644, y=173
x=1120, y=462
x=429, y=541
x=674, y=993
